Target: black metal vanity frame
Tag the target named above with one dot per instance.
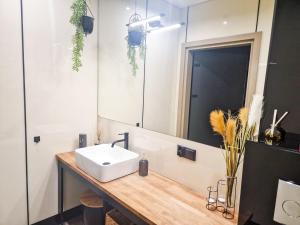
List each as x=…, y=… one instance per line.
x=62, y=168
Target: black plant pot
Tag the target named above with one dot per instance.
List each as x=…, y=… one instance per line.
x=87, y=23
x=135, y=38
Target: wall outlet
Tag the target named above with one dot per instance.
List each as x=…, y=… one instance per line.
x=186, y=152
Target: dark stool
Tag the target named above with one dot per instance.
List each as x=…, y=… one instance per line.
x=93, y=209
x=114, y=217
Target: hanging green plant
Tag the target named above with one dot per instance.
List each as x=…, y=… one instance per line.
x=78, y=10
x=135, y=42
x=83, y=26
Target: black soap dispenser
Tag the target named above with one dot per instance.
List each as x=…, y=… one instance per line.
x=143, y=166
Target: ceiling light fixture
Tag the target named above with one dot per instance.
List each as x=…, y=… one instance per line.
x=167, y=28
x=147, y=20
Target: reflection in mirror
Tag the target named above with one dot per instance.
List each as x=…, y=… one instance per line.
x=216, y=74
x=218, y=81
x=120, y=87
x=162, y=68
x=210, y=64
x=130, y=30
x=197, y=56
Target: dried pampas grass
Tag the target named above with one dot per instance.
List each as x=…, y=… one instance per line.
x=217, y=122
x=230, y=131
x=243, y=116
x=255, y=110
x=235, y=131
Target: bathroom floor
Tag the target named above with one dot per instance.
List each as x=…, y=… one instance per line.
x=118, y=217
x=79, y=221
x=75, y=221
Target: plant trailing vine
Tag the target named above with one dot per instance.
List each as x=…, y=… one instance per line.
x=133, y=47
x=135, y=41
x=78, y=10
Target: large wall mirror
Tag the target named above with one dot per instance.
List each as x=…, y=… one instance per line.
x=165, y=65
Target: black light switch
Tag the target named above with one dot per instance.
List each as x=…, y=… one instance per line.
x=37, y=139
x=187, y=153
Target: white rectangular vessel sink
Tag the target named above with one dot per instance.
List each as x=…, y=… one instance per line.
x=106, y=163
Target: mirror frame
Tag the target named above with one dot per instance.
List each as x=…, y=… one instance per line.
x=254, y=39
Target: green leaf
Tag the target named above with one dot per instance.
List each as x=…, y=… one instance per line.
x=78, y=10
x=132, y=50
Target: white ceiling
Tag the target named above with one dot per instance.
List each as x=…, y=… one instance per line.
x=185, y=3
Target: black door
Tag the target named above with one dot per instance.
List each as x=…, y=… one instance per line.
x=282, y=87
x=219, y=81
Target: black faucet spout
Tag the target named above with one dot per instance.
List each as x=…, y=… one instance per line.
x=125, y=140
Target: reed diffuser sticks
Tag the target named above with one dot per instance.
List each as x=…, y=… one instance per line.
x=275, y=123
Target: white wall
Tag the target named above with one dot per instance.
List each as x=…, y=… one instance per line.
x=12, y=137
x=205, y=21
x=120, y=92
x=60, y=103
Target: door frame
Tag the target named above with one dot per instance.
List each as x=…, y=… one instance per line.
x=254, y=39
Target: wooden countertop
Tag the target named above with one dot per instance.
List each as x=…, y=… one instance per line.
x=155, y=199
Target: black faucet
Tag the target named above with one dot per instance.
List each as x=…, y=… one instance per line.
x=125, y=140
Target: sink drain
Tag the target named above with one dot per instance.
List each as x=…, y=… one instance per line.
x=105, y=163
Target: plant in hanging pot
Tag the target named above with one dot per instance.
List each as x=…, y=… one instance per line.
x=135, y=36
x=83, y=25
x=135, y=41
x=235, y=130
x=87, y=23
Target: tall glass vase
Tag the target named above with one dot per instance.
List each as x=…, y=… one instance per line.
x=230, y=200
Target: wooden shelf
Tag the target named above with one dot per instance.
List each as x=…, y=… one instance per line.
x=154, y=198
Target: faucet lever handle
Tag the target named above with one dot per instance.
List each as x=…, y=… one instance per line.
x=123, y=133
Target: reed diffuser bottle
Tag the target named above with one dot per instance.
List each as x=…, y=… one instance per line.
x=275, y=134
